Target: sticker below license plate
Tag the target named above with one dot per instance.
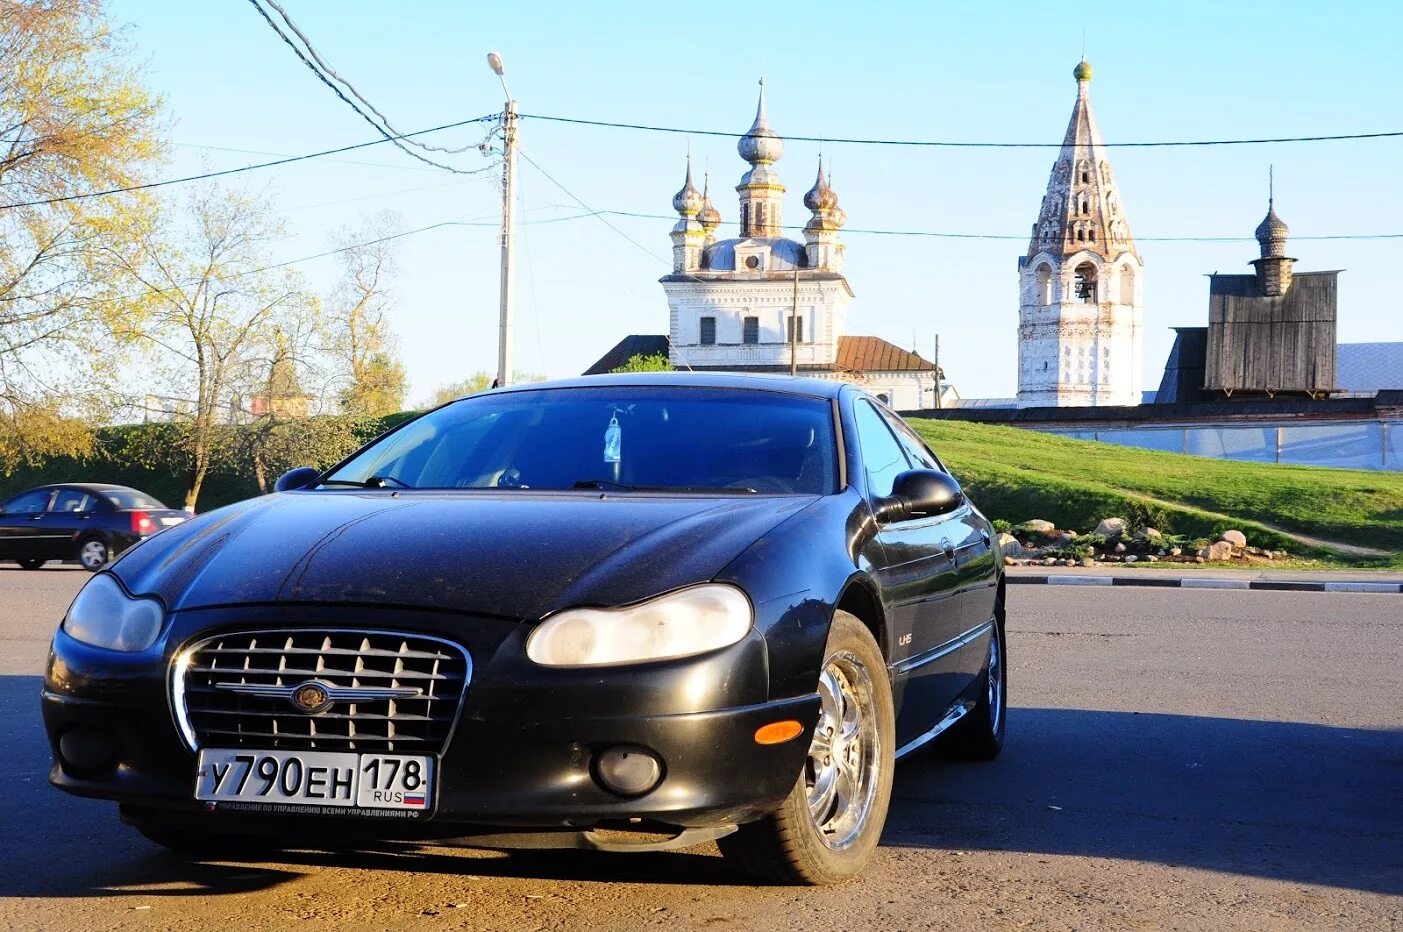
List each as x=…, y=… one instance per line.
x=330, y=780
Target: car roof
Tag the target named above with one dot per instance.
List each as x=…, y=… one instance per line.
x=89, y=487
x=767, y=382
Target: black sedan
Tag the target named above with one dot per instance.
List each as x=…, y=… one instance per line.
x=619, y=613
x=88, y=522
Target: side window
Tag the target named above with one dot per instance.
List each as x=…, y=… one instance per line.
x=915, y=449
x=72, y=501
x=29, y=502
x=882, y=457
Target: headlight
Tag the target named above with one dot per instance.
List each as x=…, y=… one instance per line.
x=104, y=615
x=679, y=624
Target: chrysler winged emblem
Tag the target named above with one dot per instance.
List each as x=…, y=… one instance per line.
x=311, y=698
x=316, y=696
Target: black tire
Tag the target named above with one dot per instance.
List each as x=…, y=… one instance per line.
x=788, y=846
x=94, y=553
x=193, y=843
x=31, y=563
x=980, y=734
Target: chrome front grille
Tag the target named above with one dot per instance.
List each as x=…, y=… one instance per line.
x=241, y=690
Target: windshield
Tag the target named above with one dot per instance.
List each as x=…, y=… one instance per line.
x=128, y=499
x=632, y=437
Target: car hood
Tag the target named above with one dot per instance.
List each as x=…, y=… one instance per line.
x=501, y=553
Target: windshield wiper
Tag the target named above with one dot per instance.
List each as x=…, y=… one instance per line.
x=374, y=482
x=622, y=487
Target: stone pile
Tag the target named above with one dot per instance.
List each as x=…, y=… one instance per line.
x=1042, y=543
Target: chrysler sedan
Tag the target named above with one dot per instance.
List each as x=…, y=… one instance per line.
x=626, y=613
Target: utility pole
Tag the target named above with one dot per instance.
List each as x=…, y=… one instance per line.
x=794, y=328
x=937, y=371
x=504, y=336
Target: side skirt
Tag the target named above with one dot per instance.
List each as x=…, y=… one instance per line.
x=956, y=712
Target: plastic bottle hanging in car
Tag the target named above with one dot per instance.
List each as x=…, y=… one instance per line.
x=613, y=441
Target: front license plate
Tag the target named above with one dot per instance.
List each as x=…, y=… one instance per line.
x=340, y=780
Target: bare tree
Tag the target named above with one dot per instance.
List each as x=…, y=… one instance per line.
x=215, y=322
x=359, y=336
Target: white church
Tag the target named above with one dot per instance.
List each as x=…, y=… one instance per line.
x=1079, y=319
x=760, y=301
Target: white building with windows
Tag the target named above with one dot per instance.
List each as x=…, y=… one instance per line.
x=1079, y=319
x=757, y=301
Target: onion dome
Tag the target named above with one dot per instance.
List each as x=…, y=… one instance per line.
x=1272, y=232
x=821, y=196
x=1082, y=72
x=688, y=201
x=709, y=216
x=761, y=145
x=823, y=201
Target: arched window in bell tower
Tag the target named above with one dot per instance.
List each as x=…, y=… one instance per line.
x=1084, y=286
x=1044, y=285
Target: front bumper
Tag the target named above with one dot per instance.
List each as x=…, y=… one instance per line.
x=522, y=755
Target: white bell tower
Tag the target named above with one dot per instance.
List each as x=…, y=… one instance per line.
x=1080, y=310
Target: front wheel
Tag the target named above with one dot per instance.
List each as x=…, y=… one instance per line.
x=980, y=734
x=30, y=563
x=828, y=826
x=94, y=554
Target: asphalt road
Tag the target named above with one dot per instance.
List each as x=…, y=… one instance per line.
x=1175, y=760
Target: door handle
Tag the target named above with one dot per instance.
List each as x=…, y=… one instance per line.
x=36, y=518
x=949, y=549
x=985, y=535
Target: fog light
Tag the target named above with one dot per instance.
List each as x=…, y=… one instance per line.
x=628, y=771
x=86, y=751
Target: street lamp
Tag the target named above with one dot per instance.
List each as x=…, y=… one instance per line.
x=504, y=336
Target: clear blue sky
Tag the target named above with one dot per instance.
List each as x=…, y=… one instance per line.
x=1001, y=72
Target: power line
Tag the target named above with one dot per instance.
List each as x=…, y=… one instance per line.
x=398, y=167
x=590, y=211
x=961, y=145
x=991, y=236
x=320, y=255
x=389, y=136
x=242, y=168
x=326, y=67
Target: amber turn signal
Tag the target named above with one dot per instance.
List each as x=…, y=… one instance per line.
x=778, y=732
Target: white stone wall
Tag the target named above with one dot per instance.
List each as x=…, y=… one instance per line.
x=1072, y=353
x=822, y=309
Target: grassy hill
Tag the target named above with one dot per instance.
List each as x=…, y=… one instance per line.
x=1017, y=475
x=1020, y=474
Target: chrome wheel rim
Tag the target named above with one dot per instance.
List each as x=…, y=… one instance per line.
x=996, y=682
x=842, y=771
x=93, y=554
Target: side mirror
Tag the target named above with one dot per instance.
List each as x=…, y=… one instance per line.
x=920, y=493
x=299, y=478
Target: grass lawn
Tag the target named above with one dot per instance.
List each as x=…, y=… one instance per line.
x=1020, y=474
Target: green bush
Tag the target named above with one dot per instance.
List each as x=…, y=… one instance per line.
x=130, y=454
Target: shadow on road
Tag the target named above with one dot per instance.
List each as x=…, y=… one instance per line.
x=1282, y=800
x=1296, y=802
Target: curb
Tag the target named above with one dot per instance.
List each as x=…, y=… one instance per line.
x=1204, y=583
